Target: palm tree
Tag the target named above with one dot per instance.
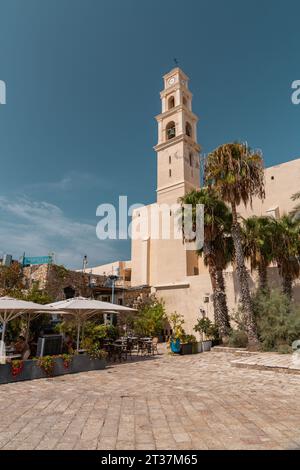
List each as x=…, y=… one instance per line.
x=258, y=244
x=295, y=212
x=216, y=249
x=286, y=247
x=237, y=175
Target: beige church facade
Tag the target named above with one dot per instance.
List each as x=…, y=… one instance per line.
x=174, y=273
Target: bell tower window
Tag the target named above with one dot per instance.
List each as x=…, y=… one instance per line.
x=188, y=129
x=171, y=102
x=170, y=130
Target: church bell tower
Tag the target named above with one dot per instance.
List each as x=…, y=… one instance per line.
x=178, y=168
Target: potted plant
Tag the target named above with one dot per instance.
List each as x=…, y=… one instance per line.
x=187, y=344
x=208, y=331
x=176, y=322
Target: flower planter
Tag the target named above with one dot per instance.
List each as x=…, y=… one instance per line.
x=186, y=348
x=6, y=373
x=31, y=370
x=60, y=368
x=197, y=347
x=80, y=363
x=206, y=345
x=175, y=346
x=37, y=372
x=83, y=362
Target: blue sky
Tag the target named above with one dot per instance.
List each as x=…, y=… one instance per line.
x=83, y=80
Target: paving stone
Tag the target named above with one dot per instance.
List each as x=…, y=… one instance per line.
x=190, y=402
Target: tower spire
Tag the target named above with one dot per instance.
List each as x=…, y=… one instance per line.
x=177, y=148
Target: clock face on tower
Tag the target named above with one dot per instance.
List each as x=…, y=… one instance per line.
x=171, y=81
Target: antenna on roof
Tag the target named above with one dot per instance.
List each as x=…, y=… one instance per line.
x=176, y=61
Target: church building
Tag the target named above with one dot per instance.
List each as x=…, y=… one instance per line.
x=174, y=273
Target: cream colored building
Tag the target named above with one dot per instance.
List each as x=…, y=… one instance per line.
x=119, y=268
x=177, y=275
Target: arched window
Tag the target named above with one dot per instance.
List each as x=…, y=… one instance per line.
x=184, y=101
x=191, y=159
x=69, y=292
x=188, y=129
x=170, y=159
x=170, y=130
x=171, y=102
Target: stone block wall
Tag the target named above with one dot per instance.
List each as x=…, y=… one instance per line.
x=57, y=281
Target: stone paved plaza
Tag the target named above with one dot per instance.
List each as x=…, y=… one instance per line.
x=182, y=402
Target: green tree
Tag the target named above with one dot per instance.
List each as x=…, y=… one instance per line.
x=10, y=278
x=151, y=318
x=258, y=246
x=176, y=321
x=278, y=320
x=34, y=294
x=217, y=247
x=295, y=212
x=286, y=246
x=237, y=175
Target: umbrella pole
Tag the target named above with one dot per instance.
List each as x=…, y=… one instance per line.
x=82, y=332
x=27, y=327
x=3, y=331
x=78, y=335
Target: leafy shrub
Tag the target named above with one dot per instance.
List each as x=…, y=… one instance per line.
x=284, y=349
x=237, y=339
x=150, y=320
x=208, y=328
x=278, y=320
x=96, y=353
x=16, y=367
x=67, y=360
x=94, y=331
x=176, y=321
x=189, y=339
x=238, y=318
x=47, y=364
x=98, y=332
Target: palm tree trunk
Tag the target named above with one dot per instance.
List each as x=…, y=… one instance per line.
x=216, y=303
x=221, y=316
x=287, y=285
x=263, y=277
x=243, y=280
x=224, y=322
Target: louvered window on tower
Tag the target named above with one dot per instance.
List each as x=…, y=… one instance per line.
x=171, y=102
x=171, y=131
x=188, y=129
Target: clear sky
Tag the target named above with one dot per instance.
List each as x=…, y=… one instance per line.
x=83, y=79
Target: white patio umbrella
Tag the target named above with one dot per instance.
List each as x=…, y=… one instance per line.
x=82, y=309
x=11, y=308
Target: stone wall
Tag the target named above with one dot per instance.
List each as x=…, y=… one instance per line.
x=133, y=296
x=58, y=281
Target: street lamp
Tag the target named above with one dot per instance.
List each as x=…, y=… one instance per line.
x=84, y=263
x=113, y=278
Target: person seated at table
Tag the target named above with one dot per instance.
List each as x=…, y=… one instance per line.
x=68, y=346
x=22, y=347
